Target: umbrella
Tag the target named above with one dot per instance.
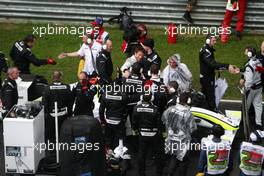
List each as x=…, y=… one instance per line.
x=220, y=88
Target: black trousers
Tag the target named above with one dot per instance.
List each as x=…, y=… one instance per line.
x=132, y=140
x=182, y=166
x=113, y=133
x=208, y=89
x=149, y=146
x=50, y=127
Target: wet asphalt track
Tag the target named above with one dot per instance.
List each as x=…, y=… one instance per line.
x=150, y=170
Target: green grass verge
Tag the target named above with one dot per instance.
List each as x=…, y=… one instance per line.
x=187, y=46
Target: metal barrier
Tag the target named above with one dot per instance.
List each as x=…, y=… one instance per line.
x=206, y=13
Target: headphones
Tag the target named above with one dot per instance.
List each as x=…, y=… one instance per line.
x=172, y=90
x=144, y=33
x=249, y=54
x=90, y=37
x=89, y=41
x=178, y=100
x=104, y=46
x=149, y=73
x=151, y=100
x=208, y=39
x=255, y=136
x=189, y=100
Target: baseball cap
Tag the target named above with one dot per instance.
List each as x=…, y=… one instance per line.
x=98, y=21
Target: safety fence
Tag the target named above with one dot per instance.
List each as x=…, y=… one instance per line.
x=206, y=13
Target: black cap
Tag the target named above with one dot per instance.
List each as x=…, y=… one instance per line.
x=149, y=43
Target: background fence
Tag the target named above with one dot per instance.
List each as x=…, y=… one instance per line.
x=207, y=12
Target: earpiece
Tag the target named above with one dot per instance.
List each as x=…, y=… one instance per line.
x=172, y=90
x=149, y=73
x=208, y=41
x=104, y=47
x=152, y=98
x=189, y=101
x=249, y=54
x=178, y=100
x=89, y=41
x=141, y=70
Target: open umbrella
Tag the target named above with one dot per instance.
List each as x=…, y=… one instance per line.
x=220, y=88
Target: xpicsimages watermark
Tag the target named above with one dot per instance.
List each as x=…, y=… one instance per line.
x=51, y=29
x=55, y=29
x=131, y=88
x=195, y=30
x=80, y=147
x=179, y=146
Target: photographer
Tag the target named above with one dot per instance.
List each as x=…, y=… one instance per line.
x=133, y=36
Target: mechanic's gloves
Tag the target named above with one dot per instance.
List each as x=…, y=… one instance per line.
x=51, y=61
x=259, y=69
x=93, y=80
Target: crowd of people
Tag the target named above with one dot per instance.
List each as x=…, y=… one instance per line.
x=142, y=103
